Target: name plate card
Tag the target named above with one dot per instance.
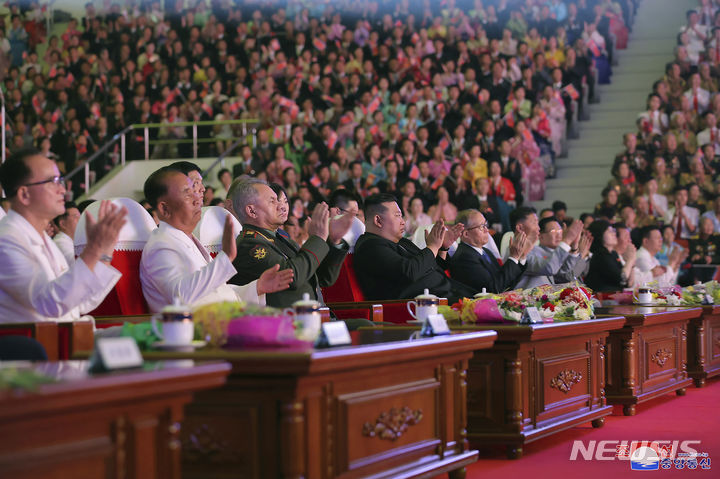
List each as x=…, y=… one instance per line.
x=435, y=325
x=116, y=353
x=335, y=333
x=531, y=315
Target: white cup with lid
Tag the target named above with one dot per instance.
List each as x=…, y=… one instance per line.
x=425, y=304
x=177, y=324
x=307, y=319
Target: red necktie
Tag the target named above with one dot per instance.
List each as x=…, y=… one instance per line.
x=695, y=102
x=678, y=230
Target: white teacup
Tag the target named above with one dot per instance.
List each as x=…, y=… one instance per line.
x=644, y=296
x=425, y=305
x=306, y=316
x=177, y=325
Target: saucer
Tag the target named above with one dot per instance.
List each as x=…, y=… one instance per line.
x=179, y=347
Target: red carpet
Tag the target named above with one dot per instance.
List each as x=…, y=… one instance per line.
x=695, y=416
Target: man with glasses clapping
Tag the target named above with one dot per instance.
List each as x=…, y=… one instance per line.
x=36, y=282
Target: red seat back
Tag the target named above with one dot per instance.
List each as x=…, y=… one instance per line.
x=126, y=298
x=346, y=288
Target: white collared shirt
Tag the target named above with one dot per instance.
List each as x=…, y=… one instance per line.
x=36, y=282
x=176, y=266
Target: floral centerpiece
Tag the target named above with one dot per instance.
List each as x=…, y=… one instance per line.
x=555, y=303
x=574, y=302
x=217, y=322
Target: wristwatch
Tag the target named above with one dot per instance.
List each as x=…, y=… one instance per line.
x=106, y=258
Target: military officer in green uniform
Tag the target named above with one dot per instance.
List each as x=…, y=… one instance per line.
x=316, y=264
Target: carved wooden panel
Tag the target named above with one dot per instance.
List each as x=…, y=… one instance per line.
x=376, y=422
x=563, y=382
x=566, y=380
x=660, y=356
x=216, y=436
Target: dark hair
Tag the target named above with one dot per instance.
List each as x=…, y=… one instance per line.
x=374, y=204
x=342, y=196
x=597, y=230
x=559, y=206
x=543, y=222
x=155, y=186
x=584, y=216
x=82, y=206
x=184, y=167
x=645, y=231
x=278, y=188
x=518, y=215
x=222, y=172
x=58, y=218
x=15, y=171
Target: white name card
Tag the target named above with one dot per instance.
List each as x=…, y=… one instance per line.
x=531, y=316
x=336, y=333
x=118, y=353
x=438, y=324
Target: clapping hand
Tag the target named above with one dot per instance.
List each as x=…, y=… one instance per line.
x=452, y=234
x=319, y=221
x=584, y=244
x=572, y=232
x=520, y=246
x=273, y=280
x=435, y=237
x=338, y=227
x=229, y=246
x=102, y=234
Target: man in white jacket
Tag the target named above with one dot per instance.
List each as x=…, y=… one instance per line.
x=36, y=282
x=648, y=268
x=175, y=265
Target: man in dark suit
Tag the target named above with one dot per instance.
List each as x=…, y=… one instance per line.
x=389, y=266
x=260, y=246
x=476, y=266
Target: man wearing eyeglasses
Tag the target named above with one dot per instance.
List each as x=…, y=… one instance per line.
x=36, y=281
x=560, y=257
x=476, y=266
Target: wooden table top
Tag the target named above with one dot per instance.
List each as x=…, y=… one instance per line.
x=378, y=348
x=75, y=386
x=638, y=315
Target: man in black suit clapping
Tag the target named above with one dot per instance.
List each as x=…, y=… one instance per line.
x=476, y=266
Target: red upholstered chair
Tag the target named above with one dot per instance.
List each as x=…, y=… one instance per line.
x=346, y=299
x=126, y=298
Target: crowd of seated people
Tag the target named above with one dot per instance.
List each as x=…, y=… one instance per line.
x=667, y=175
x=407, y=90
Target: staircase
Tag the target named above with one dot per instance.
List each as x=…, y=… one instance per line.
x=585, y=171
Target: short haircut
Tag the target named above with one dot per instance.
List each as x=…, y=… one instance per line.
x=245, y=194
x=544, y=222
x=341, y=197
x=518, y=215
x=374, y=204
x=645, y=231
x=58, y=218
x=464, y=216
x=155, y=186
x=584, y=216
x=559, y=206
x=222, y=172
x=15, y=172
x=184, y=167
